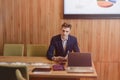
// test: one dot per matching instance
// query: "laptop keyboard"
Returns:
(80, 69)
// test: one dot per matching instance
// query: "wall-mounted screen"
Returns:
(92, 8)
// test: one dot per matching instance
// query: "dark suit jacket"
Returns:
(56, 47)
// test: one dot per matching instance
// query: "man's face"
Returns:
(65, 32)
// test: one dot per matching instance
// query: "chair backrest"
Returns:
(8, 72)
(19, 75)
(13, 50)
(36, 50)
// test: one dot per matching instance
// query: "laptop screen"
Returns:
(77, 59)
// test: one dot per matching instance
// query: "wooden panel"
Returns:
(36, 21)
(107, 71)
(1, 28)
(119, 71)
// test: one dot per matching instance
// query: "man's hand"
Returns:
(59, 59)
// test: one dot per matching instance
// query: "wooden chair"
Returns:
(19, 75)
(36, 50)
(13, 72)
(13, 50)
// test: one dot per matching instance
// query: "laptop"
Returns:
(79, 62)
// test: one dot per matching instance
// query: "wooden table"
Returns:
(53, 75)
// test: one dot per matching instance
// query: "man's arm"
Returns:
(76, 47)
(50, 52)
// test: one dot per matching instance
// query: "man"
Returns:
(62, 44)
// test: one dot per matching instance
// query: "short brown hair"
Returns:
(66, 25)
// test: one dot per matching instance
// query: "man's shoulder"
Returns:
(72, 37)
(56, 37)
